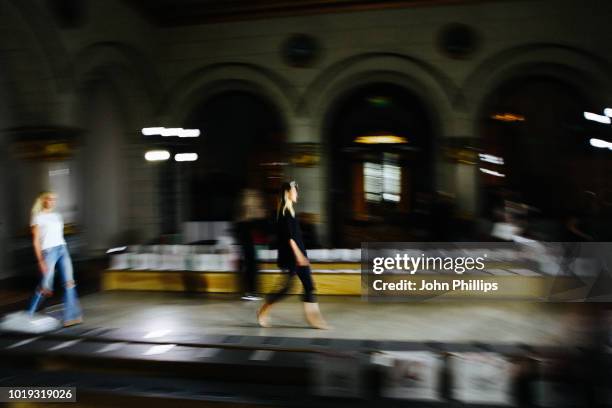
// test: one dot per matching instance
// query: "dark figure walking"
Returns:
(292, 258)
(248, 225)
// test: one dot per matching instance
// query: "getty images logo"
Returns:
(412, 264)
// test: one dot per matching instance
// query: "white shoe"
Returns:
(250, 297)
(24, 322)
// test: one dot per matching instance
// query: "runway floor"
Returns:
(155, 349)
(351, 317)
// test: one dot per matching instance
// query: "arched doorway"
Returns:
(536, 149)
(241, 146)
(380, 145)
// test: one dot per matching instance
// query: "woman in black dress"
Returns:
(292, 257)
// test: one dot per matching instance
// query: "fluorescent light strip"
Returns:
(185, 157)
(602, 144)
(491, 172)
(152, 131)
(170, 132)
(189, 133)
(489, 158)
(597, 118)
(157, 155)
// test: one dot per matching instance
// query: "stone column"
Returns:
(105, 179)
(311, 177)
(457, 164)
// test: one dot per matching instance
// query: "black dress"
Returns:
(288, 228)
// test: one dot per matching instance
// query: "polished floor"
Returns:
(351, 318)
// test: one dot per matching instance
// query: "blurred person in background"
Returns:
(249, 229)
(51, 251)
(292, 257)
(511, 217)
(583, 225)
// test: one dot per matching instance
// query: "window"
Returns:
(372, 178)
(382, 181)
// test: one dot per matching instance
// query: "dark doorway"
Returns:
(380, 141)
(241, 133)
(537, 139)
(535, 131)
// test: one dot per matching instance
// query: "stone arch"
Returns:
(127, 70)
(34, 43)
(213, 79)
(431, 84)
(435, 101)
(316, 105)
(577, 67)
(47, 42)
(585, 76)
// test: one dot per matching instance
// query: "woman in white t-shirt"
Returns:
(51, 252)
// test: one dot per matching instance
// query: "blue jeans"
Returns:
(59, 257)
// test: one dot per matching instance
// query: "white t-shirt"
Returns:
(51, 229)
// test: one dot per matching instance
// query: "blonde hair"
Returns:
(285, 204)
(38, 203)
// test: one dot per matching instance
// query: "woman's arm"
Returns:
(36, 243)
(300, 259)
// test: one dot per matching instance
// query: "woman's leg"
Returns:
(303, 272)
(284, 290)
(72, 308)
(262, 313)
(45, 288)
(311, 307)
